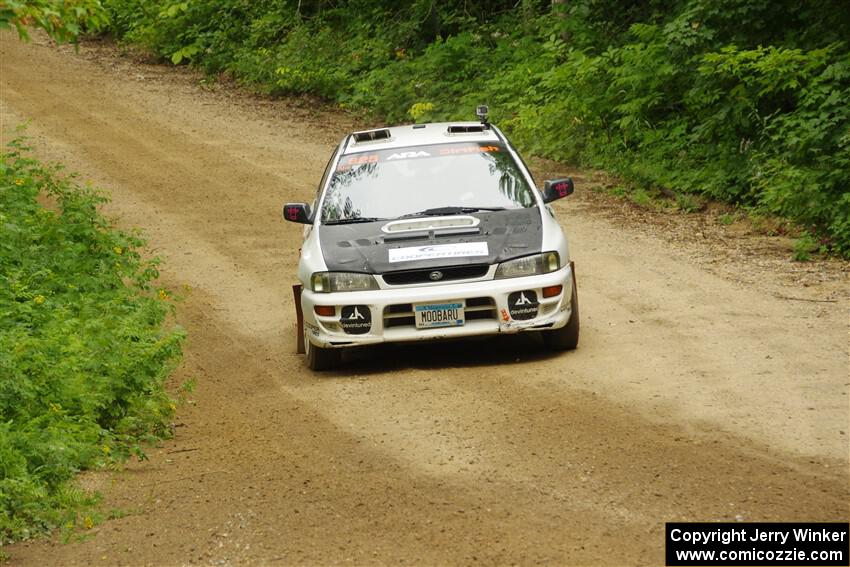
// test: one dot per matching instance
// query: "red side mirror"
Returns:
(554, 189)
(297, 212)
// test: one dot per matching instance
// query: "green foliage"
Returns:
(63, 20)
(420, 111)
(804, 247)
(83, 353)
(643, 197)
(737, 100)
(726, 219)
(688, 203)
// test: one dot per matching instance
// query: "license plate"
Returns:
(430, 315)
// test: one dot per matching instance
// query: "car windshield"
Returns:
(424, 180)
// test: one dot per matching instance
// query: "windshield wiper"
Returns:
(353, 220)
(451, 211)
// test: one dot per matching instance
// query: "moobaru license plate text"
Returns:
(439, 315)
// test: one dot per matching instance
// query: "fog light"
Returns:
(325, 310)
(552, 290)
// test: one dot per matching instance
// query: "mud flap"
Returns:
(299, 318)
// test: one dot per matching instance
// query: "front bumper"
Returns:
(487, 310)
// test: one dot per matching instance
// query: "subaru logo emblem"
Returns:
(436, 275)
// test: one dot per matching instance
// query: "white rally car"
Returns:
(431, 231)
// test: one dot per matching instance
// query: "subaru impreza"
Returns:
(428, 232)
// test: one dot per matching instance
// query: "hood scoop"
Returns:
(431, 234)
(428, 224)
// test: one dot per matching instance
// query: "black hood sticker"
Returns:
(500, 236)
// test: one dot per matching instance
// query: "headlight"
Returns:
(326, 282)
(529, 265)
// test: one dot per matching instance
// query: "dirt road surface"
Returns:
(700, 391)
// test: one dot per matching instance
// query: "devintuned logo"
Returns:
(522, 300)
(356, 319)
(523, 305)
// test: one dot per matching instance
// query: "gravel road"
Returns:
(699, 391)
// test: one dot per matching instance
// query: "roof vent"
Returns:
(372, 135)
(466, 129)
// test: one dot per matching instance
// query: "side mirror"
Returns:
(554, 189)
(297, 212)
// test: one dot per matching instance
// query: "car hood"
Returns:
(370, 248)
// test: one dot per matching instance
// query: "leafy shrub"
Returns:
(63, 21)
(804, 247)
(83, 353)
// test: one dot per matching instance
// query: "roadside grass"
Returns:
(86, 346)
(805, 246)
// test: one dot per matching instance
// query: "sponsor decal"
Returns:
(408, 155)
(292, 213)
(356, 319)
(459, 250)
(440, 150)
(523, 305)
(435, 276)
(313, 329)
(505, 316)
(467, 150)
(358, 160)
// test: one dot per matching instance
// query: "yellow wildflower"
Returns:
(106, 450)
(38, 299)
(118, 250)
(163, 294)
(420, 109)
(19, 182)
(88, 522)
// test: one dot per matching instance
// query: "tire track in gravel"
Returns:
(688, 398)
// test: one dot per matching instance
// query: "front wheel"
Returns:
(318, 358)
(565, 338)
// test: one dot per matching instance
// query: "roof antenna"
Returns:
(481, 112)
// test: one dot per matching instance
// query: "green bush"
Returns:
(738, 100)
(63, 21)
(83, 351)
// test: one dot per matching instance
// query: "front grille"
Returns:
(401, 315)
(405, 277)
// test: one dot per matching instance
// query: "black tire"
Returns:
(319, 359)
(565, 338)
